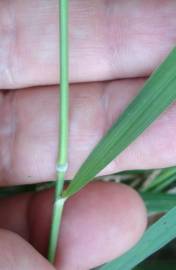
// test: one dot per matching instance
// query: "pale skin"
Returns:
(109, 40)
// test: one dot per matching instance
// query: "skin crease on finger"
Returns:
(28, 131)
(109, 39)
(99, 223)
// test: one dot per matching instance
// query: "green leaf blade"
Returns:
(157, 203)
(164, 179)
(157, 236)
(157, 94)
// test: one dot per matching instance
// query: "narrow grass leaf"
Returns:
(157, 203)
(157, 94)
(156, 237)
(163, 180)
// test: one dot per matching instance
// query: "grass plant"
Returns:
(157, 187)
(62, 163)
(158, 93)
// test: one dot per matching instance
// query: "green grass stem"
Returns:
(62, 162)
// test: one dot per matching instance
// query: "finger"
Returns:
(14, 214)
(99, 223)
(29, 135)
(108, 39)
(17, 254)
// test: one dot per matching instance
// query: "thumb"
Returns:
(17, 254)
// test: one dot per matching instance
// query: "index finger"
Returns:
(108, 39)
(29, 131)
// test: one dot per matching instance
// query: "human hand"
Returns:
(109, 41)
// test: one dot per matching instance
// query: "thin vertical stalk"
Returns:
(62, 162)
